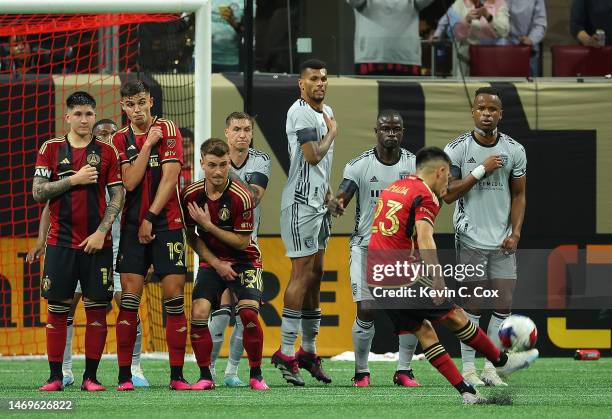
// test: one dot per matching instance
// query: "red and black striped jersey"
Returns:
(77, 213)
(137, 202)
(232, 211)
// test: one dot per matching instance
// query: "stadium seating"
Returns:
(578, 60)
(499, 60)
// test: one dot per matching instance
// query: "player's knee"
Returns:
(200, 309)
(365, 314)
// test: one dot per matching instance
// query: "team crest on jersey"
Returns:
(93, 159)
(504, 159)
(248, 177)
(224, 214)
(171, 143)
(404, 175)
(46, 283)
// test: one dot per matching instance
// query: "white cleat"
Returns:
(490, 378)
(469, 398)
(517, 361)
(68, 378)
(472, 378)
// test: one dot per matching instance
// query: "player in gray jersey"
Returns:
(305, 225)
(489, 177)
(366, 176)
(103, 129)
(252, 167)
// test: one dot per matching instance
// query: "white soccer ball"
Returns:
(518, 333)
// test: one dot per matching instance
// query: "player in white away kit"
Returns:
(488, 179)
(253, 168)
(103, 129)
(367, 175)
(305, 224)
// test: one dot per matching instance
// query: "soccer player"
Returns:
(305, 222)
(152, 228)
(252, 167)
(219, 218)
(403, 228)
(366, 176)
(72, 174)
(488, 179)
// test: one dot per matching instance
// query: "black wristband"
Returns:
(151, 217)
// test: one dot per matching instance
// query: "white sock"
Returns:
(236, 348)
(363, 334)
(468, 354)
(137, 344)
(492, 332)
(407, 346)
(311, 322)
(67, 364)
(290, 327)
(219, 320)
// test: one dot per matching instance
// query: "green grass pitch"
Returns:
(552, 387)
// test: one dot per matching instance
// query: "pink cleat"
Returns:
(405, 378)
(125, 386)
(258, 384)
(52, 385)
(203, 384)
(179, 385)
(92, 385)
(361, 380)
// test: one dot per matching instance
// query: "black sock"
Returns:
(91, 367)
(255, 372)
(205, 373)
(360, 375)
(463, 387)
(125, 374)
(176, 373)
(503, 358)
(56, 370)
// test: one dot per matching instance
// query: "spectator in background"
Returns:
(272, 36)
(387, 36)
(227, 30)
(474, 22)
(528, 27)
(587, 16)
(19, 58)
(188, 144)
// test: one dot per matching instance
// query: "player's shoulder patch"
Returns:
(460, 140)
(47, 143)
(407, 153)
(169, 125)
(193, 188)
(242, 193)
(108, 146)
(511, 141)
(365, 154)
(259, 154)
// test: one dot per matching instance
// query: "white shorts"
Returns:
(497, 263)
(357, 269)
(304, 230)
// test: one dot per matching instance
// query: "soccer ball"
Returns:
(518, 333)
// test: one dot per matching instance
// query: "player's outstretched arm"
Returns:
(314, 151)
(223, 268)
(43, 227)
(43, 190)
(132, 173)
(517, 212)
(345, 193)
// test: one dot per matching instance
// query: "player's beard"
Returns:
(390, 144)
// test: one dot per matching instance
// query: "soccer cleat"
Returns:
(258, 384)
(361, 379)
(473, 398)
(517, 361)
(490, 378)
(179, 385)
(288, 366)
(233, 381)
(203, 384)
(68, 379)
(138, 378)
(472, 378)
(313, 364)
(92, 385)
(125, 386)
(405, 378)
(52, 385)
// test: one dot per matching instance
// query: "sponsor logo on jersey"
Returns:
(404, 175)
(65, 161)
(153, 161)
(504, 159)
(170, 154)
(471, 160)
(374, 179)
(132, 147)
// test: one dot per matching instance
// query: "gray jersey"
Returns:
(306, 184)
(255, 170)
(482, 215)
(371, 177)
(115, 231)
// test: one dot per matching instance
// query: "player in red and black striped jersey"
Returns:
(219, 229)
(72, 174)
(151, 155)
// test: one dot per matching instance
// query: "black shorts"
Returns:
(64, 267)
(166, 253)
(247, 286)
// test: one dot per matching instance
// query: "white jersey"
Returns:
(371, 177)
(482, 215)
(306, 184)
(255, 170)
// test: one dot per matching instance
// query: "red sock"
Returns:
(439, 358)
(56, 336)
(201, 342)
(484, 345)
(126, 336)
(95, 332)
(176, 337)
(252, 335)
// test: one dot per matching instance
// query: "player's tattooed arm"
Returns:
(113, 208)
(257, 191)
(43, 190)
(345, 193)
